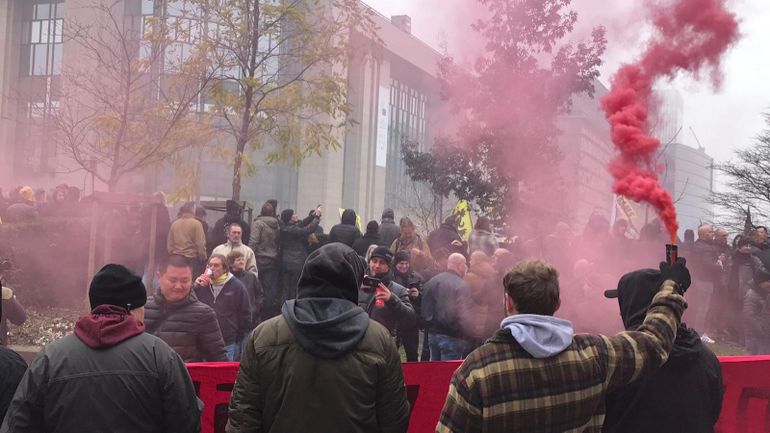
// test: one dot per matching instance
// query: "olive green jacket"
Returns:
(282, 387)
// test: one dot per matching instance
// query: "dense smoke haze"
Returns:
(664, 38)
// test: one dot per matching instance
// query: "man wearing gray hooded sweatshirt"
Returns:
(322, 365)
(535, 375)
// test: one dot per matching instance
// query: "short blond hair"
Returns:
(533, 286)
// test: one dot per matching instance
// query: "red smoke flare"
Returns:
(691, 35)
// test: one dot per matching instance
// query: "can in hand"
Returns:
(379, 303)
(672, 254)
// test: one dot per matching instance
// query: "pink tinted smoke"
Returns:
(691, 35)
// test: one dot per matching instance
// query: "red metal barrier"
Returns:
(745, 408)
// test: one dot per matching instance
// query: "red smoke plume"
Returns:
(691, 35)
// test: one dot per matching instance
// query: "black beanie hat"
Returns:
(116, 285)
(383, 253)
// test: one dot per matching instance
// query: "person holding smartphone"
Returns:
(384, 300)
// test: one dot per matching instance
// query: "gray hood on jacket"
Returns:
(540, 336)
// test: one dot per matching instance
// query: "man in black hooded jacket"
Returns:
(322, 365)
(685, 395)
(346, 231)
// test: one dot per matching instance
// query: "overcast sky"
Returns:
(723, 119)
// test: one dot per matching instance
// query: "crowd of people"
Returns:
(308, 312)
(326, 364)
(733, 278)
(23, 203)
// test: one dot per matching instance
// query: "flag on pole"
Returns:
(464, 221)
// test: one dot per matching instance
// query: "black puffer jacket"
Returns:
(346, 232)
(189, 326)
(233, 308)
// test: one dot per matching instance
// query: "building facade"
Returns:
(689, 177)
(586, 150)
(391, 88)
(687, 172)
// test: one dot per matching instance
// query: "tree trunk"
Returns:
(240, 146)
(248, 106)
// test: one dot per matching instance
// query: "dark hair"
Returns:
(482, 223)
(689, 235)
(200, 211)
(267, 210)
(388, 213)
(231, 225)
(741, 241)
(533, 286)
(274, 203)
(175, 261)
(286, 215)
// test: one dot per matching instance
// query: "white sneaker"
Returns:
(706, 339)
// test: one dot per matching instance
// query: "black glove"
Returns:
(677, 273)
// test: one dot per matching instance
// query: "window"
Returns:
(407, 121)
(148, 7)
(43, 36)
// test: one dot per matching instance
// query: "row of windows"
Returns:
(42, 37)
(407, 121)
